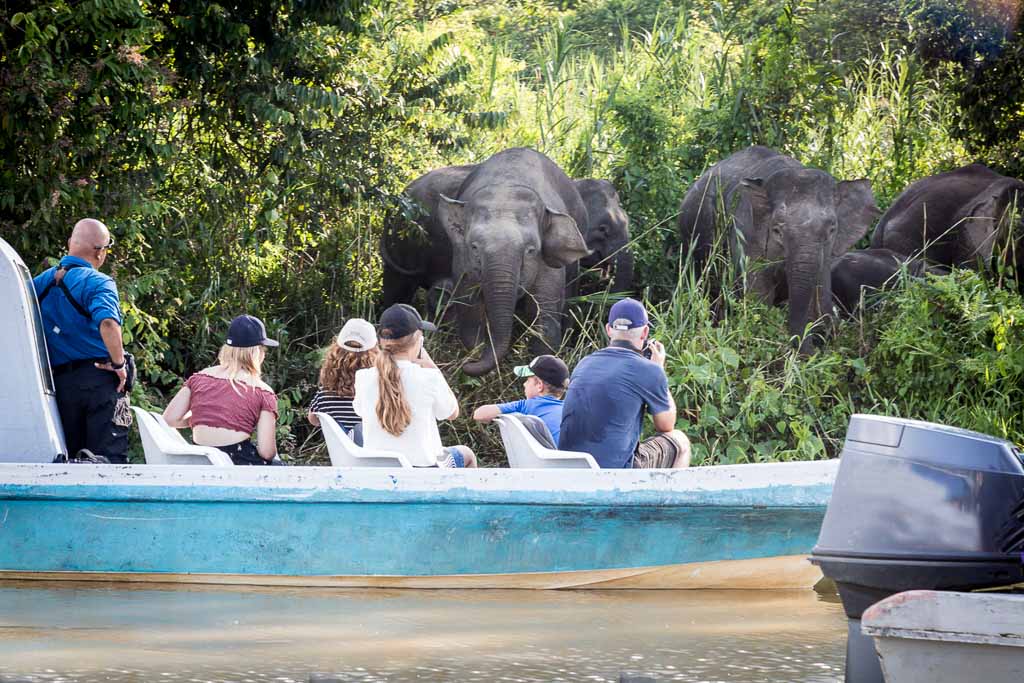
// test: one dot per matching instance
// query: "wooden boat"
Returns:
(739, 526)
(947, 637)
(747, 526)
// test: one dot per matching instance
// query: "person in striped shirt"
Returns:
(354, 349)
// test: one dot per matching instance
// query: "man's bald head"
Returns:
(88, 241)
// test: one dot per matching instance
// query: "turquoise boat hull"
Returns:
(748, 526)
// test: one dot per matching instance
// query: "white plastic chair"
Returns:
(174, 433)
(345, 453)
(163, 445)
(524, 451)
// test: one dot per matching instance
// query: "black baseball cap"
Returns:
(548, 368)
(248, 331)
(401, 320)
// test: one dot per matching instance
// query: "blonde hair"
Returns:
(338, 373)
(241, 360)
(393, 410)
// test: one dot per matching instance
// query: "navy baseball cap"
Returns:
(627, 314)
(401, 320)
(247, 331)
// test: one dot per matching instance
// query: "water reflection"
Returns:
(113, 633)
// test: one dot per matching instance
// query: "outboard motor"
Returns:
(918, 505)
(30, 429)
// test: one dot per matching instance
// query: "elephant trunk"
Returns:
(623, 270)
(500, 289)
(809, 281)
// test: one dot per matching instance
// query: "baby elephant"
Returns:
(871, 269)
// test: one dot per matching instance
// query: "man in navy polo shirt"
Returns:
(609, 393)
(82, 320)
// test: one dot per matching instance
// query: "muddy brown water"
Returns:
(89, 633)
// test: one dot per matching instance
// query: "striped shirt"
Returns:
(338, 407)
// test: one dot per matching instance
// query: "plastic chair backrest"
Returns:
(538, 430)
(163, 446)
(345, 453)
(149, 434)
(181, 452)
(523, 451)
(168, 429)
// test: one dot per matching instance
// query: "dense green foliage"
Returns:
(247, 157)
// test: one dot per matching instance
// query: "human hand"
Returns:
(657, 352)
(423, 359)
(121, 372)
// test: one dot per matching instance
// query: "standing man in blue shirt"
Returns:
(82, 320)
(610, 391)
(546, 380)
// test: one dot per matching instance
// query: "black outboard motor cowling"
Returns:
(918, 505)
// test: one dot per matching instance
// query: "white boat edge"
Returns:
(947, 637)
(803, 483)
(949, 616)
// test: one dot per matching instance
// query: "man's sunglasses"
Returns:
(106, 246)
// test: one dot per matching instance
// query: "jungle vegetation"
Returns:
(247, 155)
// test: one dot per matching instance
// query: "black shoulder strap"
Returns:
(58, 280)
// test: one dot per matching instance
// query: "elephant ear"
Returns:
(451, 213)
(758, 235)
(561, 242)
(986, 221)
(856, 212)
(757, 194)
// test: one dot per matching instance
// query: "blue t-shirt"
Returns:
(70, 335)
(547, 408)
(605, 404)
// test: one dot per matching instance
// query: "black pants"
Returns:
(245, 453)
(86, 399)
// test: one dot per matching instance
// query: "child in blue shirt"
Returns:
(547, 378)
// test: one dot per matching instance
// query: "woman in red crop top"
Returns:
(226, 403)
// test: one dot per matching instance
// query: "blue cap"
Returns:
(247, 331)
(627, 314)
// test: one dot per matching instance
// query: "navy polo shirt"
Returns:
(71, 336)
(610, 391)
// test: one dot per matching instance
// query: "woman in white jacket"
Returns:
(403, 396)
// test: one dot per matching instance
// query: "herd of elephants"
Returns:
(506, 237)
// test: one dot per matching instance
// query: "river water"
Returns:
(90, 633)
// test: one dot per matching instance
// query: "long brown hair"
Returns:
(338, 373)
(393, 410)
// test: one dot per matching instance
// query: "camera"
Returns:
(646, 351)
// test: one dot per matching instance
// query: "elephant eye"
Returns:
(531, 250)
(475, 246)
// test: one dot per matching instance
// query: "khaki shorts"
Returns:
(660, 451)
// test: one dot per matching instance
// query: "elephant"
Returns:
(423, 261)
(957, 218)
(788, 220)
(495, 233)
(607, 232)
(872, 269)
(423, 258)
